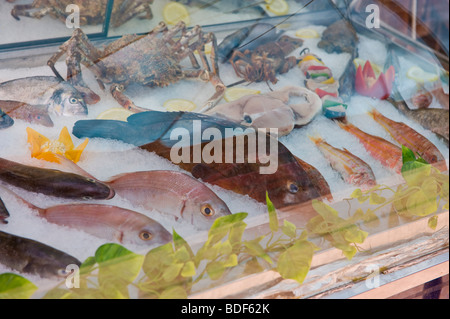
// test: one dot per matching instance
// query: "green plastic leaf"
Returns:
(188, 270)
(421, 205)
(432, 222)
(326, 211)
(115, 261)
(176, 292)
(235, 235)
(273, 218)
(289, 229)
(215, 269)
(172, 271)
(376, 199)
(87, 266)
(231, 261)
(13, 286)
(253, 266)
(415, 172)
(179, 242)
(222, 226)
(256, 250)
(407, 155)
(157, 259)
(295, 262)
(356, 193)
(182, 255)
(354, 235)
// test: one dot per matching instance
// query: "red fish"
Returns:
(408, 137)
(388, 154)
(352, 169)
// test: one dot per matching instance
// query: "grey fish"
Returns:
(60, 97)
(36, 114)
(33, 257)
(52, 182)
(3, 212)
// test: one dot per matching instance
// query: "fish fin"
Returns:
(73, 167)
(109, 129)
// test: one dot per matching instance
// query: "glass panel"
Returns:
(40, 22)
(143, 120)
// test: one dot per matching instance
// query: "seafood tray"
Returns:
(87, 174)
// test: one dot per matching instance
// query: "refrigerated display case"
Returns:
(95, 163)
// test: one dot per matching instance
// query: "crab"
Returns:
(91, 12)
(266, 60)
(152, 59)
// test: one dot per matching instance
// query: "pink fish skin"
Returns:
(405, 135)
(352, 169)
(173, 193)
(105, 221)
(388, 154)
(109, 222)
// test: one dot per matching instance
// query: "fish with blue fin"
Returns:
(245, 168)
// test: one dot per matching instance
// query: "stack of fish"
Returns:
(320, 80)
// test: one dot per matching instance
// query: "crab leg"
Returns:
(21, 10)
(129, 11)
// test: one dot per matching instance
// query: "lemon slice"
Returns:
(278, 7)
(417, 74)
(116, 113)
(179, 105)
(307, 34)
(361, 62)
(235, 93)
(174, 12)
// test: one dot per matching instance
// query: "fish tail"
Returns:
(109, 129)
(30, 205)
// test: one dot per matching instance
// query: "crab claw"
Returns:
(368, 84)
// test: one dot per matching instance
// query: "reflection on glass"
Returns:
(28, 20)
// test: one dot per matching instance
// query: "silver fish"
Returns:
(32, 257)
(106, 221)
(173, 193)
(60, 97)
(184, 197)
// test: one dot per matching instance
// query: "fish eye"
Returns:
(73, 100)
(248, 119)
(145, 235)
(207, 210)
(62, 272)
(292, 187)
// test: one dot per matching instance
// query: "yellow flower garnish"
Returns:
(45, 149)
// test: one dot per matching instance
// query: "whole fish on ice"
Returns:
(184, 197)
(352, 169)
(408, 137)
(52, 182)
(151, 131)
(105, 221)
(271, 110)
(388, 154)
(35, 114)
(435, 120)
(32, 257)
(60, 97)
